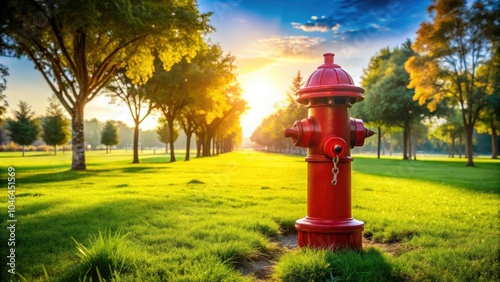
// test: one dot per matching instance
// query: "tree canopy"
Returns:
(55, 126)
(24, 129)
(109, 135)
(388, 101)
(201, 94)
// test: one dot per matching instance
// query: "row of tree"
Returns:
(54, 129)
(269, 134)
(446, 81)
(149, 54)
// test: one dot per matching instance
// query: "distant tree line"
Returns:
(442, 88)
(53, 129)
(149, 55)
(269, 134)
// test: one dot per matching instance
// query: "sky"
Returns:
(272, 41)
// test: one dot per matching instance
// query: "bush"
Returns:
(16, 148)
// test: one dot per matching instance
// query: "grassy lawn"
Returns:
(426, 220)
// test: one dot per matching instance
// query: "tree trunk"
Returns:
(390, 144)
(215, 145)
(136, 144)
(460, 146)
(452, 149)
(166, 148)
(384, 144)
(469, 129)
(23, 149)
(414, 147)
(406, 131)
(170, 123)
(207, 142)
(55, 150)
(494, 144)
(409, 142)
(188, 145)
(78, 139)
(379, 140)
(198, 144)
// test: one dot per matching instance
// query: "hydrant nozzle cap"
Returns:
(329, 61)
(329, 58)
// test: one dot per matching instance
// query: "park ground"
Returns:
(231, 217)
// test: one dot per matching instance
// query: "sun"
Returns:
(261, 93)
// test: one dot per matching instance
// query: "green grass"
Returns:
(430, 220)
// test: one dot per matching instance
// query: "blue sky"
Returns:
(271, 40)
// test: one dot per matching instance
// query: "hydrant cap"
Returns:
(330, 80)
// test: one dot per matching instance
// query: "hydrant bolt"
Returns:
(337, 149)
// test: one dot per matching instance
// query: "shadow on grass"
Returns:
(59, 176)
(484, 177)
(141, 169)
(45, 237)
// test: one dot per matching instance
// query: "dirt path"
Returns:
(263, 267)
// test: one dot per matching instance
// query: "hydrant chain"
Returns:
(335, 170)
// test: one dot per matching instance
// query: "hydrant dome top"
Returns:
(330, 80)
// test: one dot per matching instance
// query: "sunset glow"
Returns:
(262, 94)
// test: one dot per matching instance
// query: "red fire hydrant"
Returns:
(328, 134)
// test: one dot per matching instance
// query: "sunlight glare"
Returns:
(262, 94)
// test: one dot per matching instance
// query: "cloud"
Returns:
(290, 46)
(350, 20)
(322, 24)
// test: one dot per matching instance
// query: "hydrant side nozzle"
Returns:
(302, 132)
(369, 133)
(290, 133)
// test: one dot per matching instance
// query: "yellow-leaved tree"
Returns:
(450, 49)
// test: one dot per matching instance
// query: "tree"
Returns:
(388, 101)
(163, 133)
(450, 49)
(79, 45)
(3, 86)
(167, 90)
(92, 133)
(55, 126)
(134, 96)
(205, 86)
(109, 135)
(24, 129)
(205, 75)
(489, 122)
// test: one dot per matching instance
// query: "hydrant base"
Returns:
(330, 234)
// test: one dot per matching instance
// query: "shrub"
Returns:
(105, 257)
